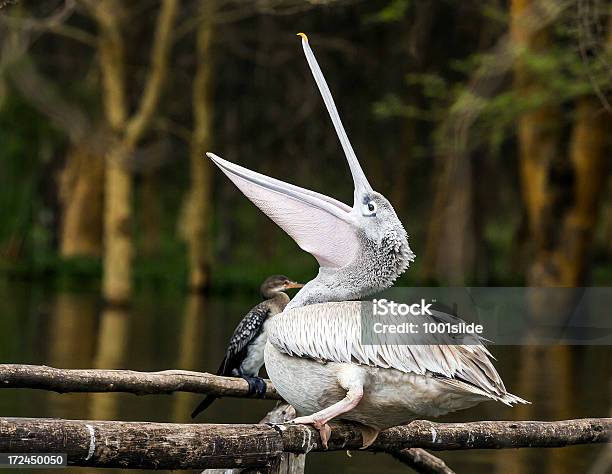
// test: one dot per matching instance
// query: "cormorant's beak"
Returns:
(320, 225)
(293, 284)
(360, 181)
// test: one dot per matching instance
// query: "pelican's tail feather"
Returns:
(511, 400)
(506, 398)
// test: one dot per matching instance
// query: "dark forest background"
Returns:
(486, 124)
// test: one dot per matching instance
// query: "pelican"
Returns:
(314, 354)
(244, 356)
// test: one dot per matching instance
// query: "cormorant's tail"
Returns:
(204, 404)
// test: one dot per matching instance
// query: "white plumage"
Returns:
(332, 332)
(315, 354)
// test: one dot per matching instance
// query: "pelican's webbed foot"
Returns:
(257, 386)
(368, 435)
(320, 425)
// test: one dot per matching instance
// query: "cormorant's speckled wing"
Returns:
(248, 329)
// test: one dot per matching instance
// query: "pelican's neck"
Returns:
(376, 267)
(329, 285)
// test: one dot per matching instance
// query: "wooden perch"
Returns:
(453, 436)
(140, 383)
(201, 446)
(174, 446)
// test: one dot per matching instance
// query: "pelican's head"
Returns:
(374, 214)
(360, 249)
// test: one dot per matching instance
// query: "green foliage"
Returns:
(449, 102)
(396, 58)
(28, 141)
(394, 11)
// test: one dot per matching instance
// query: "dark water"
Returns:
(173, 331)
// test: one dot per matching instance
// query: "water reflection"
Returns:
(163, 331)
(71, 344)
(603, 462)
(192, 333)
(111, 351)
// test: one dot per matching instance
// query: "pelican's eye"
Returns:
(369, 209)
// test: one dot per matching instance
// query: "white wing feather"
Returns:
(332, 332)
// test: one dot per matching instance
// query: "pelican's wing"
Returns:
(332, 332)
(319, 224)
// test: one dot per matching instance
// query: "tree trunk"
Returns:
(80, 182)
(81, 195)
(607, 218)
(117, 282)
(538, 143)
(561, 188)
(196, 215)
(588, 154)
(450, 254)
(128, 131)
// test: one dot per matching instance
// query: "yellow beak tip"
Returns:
(303, 35)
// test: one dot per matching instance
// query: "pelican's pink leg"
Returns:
(320, 419)
(351, 380)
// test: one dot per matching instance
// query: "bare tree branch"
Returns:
(240, 10)
(55, 23)
(422, 461)
(108, 14)
(594, 49)
(130, 381)
(43, 95)
(160, 53)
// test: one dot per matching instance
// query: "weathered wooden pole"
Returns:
(131, 445)
(136, 445)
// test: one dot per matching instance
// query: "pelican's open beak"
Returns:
(293, 284)
(320, 225)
